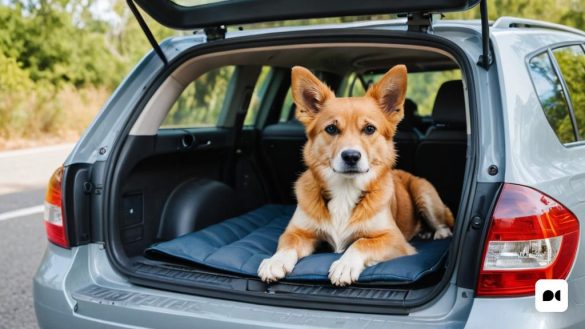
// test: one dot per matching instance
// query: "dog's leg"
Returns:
(368, 251)
(434, 212)
(294, 244)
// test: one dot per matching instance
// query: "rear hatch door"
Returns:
(194, 14)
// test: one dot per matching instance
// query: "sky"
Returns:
(102, 9)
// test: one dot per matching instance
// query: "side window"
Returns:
(571, 62)
(357, 85)
(257, 96)
(201, 103)
(550, 92)
(422, 86)
(287, 107)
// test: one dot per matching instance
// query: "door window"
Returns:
(422, 86)
(259, 93)
(202, 102)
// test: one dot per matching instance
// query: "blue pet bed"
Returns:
(238, 245)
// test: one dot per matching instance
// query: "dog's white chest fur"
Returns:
(344, 197)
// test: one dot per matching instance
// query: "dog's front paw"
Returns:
(276, 267)
(346, 270)
(442, 233)
(426, 235)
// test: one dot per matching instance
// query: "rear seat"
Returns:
(407, 138)
(282, 145)
(440, 156)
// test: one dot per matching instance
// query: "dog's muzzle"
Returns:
(350, 161)
(351, 157)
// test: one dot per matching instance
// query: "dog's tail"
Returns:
(448, 216)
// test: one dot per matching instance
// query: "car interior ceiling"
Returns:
(162, 175)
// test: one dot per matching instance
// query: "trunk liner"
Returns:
(238, 245)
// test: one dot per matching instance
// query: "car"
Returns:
(203, 130)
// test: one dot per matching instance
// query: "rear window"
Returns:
(571, 61)
(551, 96)
(559, 79)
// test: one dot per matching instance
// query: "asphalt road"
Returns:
(23, 177)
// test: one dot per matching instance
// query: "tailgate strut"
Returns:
(485, 60)
(147, 32)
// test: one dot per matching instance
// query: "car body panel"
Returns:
(80, 287)
(520, 313)
(534, 155)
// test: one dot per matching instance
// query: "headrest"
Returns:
(449, 108)
(410, 110)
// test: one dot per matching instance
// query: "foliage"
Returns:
(566, 12)
(422, 87)
(13, 77)
(59, 61)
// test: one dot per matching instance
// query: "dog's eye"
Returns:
(369, 129)
(332, 130)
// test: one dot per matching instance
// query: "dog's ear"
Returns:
(309, 94)
(390, 93)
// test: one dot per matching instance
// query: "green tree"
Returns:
(567, 12)
(59, 61)
(571, 61)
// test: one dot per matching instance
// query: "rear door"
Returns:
(191, 14)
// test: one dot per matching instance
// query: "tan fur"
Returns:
(301, 240)
(312, 195)
(370, 215)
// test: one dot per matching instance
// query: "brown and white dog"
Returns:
(350, 196)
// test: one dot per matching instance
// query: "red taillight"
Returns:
(531, 237)
(54, 214)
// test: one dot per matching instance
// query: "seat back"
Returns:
(282, 150)
(407, 137)
(441, 154)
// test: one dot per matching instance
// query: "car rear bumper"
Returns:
(520, 313)
(79, 288)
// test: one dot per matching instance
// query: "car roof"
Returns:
(399, 24)
(450, 29)
(472, 26)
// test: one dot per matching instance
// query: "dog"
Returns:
(351, 196)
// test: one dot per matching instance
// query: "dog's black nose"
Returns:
(351, 157)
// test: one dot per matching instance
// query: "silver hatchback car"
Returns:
(203, 130)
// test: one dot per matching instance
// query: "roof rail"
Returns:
(507, 22)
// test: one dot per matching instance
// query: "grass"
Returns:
(45, 115)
